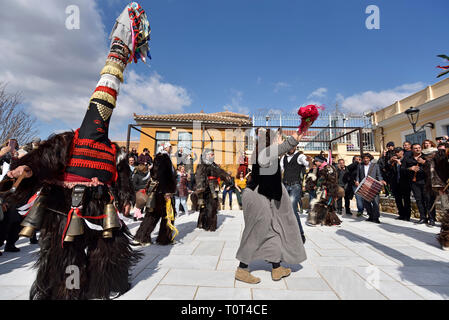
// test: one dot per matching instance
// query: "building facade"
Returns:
(392, 124)
(226, 133)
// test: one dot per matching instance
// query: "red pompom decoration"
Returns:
(308, 116)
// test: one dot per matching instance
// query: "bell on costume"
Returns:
(111, 221)
(76, 228)
(33, 219)
(151, 202)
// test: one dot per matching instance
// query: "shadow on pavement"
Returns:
(432, 274)
(154, 253)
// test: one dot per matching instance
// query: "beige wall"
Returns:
(392, 124)
(226, 152)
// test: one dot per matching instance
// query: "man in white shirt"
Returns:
(293, 167)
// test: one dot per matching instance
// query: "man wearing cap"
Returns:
(368, 168)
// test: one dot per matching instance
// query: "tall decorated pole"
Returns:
(93, 155)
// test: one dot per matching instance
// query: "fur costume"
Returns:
(84, 183)
(163, 178)
(440, 181)
(104, 268)
(323, 211)
(206, 176)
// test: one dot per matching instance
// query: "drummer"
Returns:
(368, 168)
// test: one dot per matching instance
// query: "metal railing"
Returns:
(328, 129)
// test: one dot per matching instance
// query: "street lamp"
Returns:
(413, 115)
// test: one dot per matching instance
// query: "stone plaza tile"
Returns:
(410, 261)
(14, 275)
(173, 292)
(185, 247)
(368, 273)
(394, 290)
(227, 265)
(144, 284)
(265, 281)
(327, 244)
(432, 292)
(14, 292)
(206, 248)
(420, 275)
(266, 294)
(348, 285)
(209, 293)
(142, 264)
(185, 262)
(303, 271)
(204, 278)
(305, 284)
(339, 261)
(228, 253)
(373, 256)
(335, 253)
(232, 244)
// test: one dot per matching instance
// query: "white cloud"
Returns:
(149, 94)
(280, 85)
(318, 93)
(57, 69)
(372, 100)
(236, 103)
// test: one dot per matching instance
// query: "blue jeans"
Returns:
(230, 196)
(294, 191)
(359, 200)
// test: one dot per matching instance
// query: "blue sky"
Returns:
(216, 48)
(249, 56)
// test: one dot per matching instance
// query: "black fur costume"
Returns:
(105, 267)
(206, 183)
(441, 166)
(323, 211)
(164, 173)
(84, 181)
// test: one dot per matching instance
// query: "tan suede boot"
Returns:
(245, 276)
(278, 273)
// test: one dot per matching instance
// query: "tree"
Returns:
(15, 122)
(446, 68)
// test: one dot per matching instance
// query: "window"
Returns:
(418, 137)
(185, 142)
(161, 138)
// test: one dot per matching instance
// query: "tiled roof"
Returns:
(225, 117)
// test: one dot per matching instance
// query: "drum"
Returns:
(369, 188)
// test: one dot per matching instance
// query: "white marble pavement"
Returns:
(358, 260)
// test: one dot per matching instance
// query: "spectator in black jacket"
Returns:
(417, 179)
(350, 179)
(385, 167)
(342, 172)
(407, 146)
(400, 184)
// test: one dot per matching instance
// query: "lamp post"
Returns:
(413, 115)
